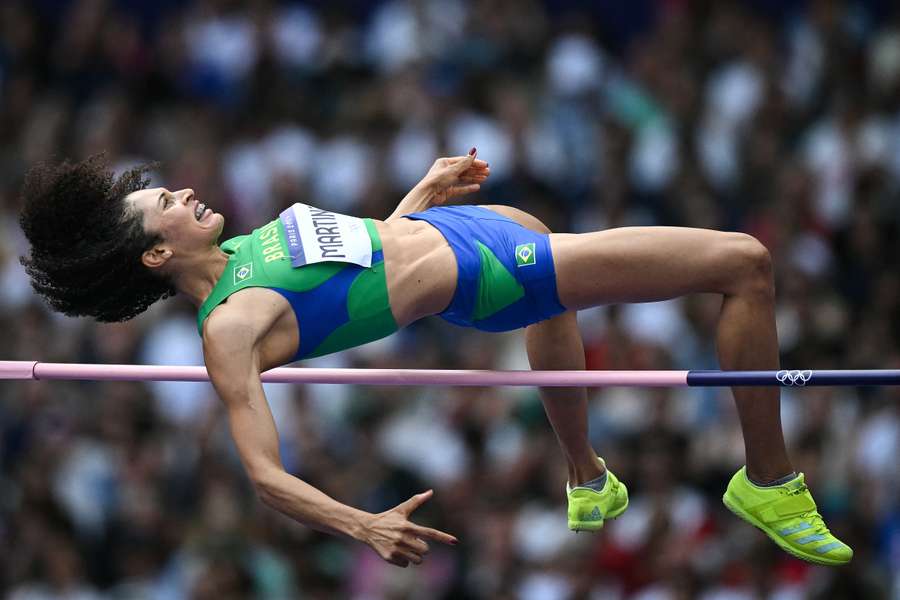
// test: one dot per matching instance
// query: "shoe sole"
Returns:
(741, 513)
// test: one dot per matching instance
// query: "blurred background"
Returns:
(780, 119)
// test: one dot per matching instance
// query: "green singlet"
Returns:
(337, 305)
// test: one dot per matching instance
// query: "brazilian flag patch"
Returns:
(525, 255)
(243, 272)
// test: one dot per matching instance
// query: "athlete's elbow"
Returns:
(267, 483)
(267, 497)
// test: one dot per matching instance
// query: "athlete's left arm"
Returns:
(447, 178)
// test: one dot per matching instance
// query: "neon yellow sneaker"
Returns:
(786, 513)
(588, 508)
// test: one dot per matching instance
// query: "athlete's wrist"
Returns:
(426, 193)
(419, 198)
(357, 525)
(430, 186)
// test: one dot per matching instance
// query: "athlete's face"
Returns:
(185, 226)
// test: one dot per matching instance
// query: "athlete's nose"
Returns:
(186, 195)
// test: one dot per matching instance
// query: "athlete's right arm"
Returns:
(447, 178)
(229, 347)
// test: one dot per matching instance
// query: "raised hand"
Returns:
(398, 540)
(456, 176)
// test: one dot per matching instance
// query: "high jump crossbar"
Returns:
(34, 370)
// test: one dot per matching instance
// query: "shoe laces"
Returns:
(798, 491)
(811, 516)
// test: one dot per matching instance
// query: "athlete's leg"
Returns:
(555, 344)
(644, 264)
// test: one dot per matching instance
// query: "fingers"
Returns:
(409, 545)
(465, 164)
(461, 164)
(468, 169)
(462, 190)
(399, 560)
(434, 534)
(410, 551)
(408, 556)
(475, 172)
(416, 545)
(413, 503)
(473, 178)
(476, 164)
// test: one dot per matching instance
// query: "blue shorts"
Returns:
(506, 278)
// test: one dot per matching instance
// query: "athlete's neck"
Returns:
(199, 274)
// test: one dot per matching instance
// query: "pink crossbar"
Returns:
(38, 370)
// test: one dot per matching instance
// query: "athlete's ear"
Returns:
(156, 256)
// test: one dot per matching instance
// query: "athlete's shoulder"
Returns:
(232, 244)
(230, 328)
(251, 310)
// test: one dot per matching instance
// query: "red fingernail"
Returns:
(472, 151)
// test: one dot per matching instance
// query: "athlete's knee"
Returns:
(753, 265)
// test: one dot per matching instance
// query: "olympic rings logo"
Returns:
(793, 378)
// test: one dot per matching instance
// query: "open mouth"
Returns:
(201, 213)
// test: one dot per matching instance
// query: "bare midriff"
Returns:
(420, 268)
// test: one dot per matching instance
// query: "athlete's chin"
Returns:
(212, 230)
(214, 221)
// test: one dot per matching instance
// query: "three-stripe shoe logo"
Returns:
(806, 539)
(803, 526)
(829, 547)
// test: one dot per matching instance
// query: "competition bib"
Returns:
(315, 235)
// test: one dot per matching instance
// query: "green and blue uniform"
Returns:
(506, 280)
(337, 305)
(505, 273)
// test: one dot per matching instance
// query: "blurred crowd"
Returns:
(780, 119)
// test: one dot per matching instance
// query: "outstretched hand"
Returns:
(398, 540)
(456, 176)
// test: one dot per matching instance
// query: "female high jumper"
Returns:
(312, 282)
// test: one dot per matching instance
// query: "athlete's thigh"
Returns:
(643, 264)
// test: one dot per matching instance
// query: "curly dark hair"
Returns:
(86, 242)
